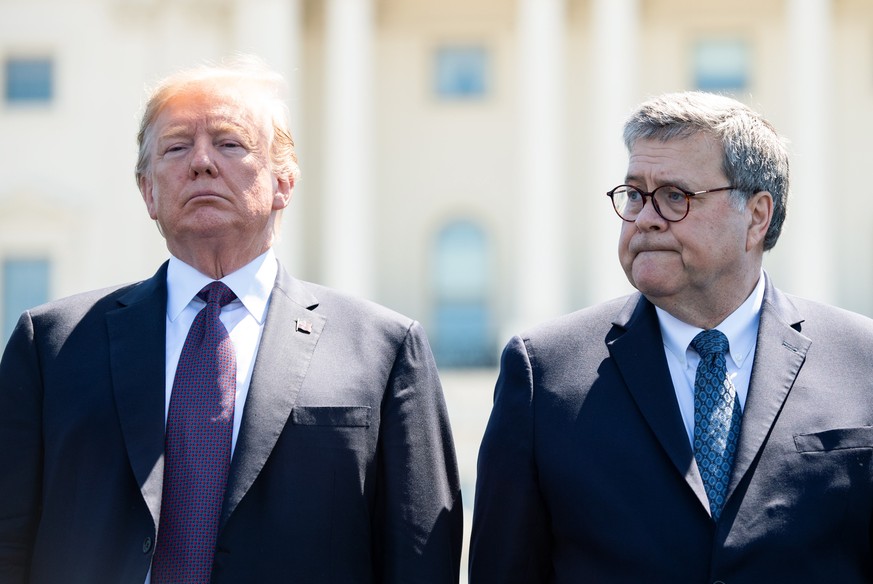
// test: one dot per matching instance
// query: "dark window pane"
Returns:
(462, 332)
(461, 72)
(25, 285)
(29, 80)
(721, 65)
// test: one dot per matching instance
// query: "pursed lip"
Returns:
(644, 247)
(653, 250)
(204, 195)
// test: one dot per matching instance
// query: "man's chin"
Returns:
(653, 269)
(653, 285)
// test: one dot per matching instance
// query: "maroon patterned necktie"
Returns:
(197, 451)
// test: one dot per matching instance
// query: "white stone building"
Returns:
(455, 153)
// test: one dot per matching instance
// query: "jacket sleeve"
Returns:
(21, 451)
(418, 523)
(511, 537)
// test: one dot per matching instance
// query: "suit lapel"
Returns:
(638, 350)
(291, 332)
(137, 340)
(779, 355)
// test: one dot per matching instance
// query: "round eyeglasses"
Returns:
(669, 201)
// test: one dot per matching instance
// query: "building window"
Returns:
(461, 72)
(29, 80)
(462, 331)
(25, 285)
(721, 65)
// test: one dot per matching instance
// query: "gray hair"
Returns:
(242, 70)
(755, 156)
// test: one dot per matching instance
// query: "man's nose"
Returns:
(649, 219)
(203, 161)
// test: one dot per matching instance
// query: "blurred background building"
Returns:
(455, 154)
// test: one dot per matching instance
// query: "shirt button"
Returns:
(146, 545)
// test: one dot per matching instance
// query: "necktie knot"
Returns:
(711, 342)
(217, 292)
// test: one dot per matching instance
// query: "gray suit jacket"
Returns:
(586, 473)
(344, 469)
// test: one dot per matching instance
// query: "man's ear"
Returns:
(282, 188)
(760, 209)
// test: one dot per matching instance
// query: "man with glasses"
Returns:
(708, 428)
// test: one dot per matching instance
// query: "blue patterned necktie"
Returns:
(197, 450)
(716, 418)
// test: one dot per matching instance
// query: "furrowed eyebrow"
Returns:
(175, 131)
(672, 182)
(214, 128)
(247, 137)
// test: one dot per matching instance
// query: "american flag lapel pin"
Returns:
(303, 326)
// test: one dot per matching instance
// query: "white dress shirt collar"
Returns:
(740, 327)
(252, 285)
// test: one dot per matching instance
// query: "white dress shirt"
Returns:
(243, 318)
(741, 330)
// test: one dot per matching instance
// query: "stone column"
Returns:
(809, 227)
(347, 229)
(540, 285)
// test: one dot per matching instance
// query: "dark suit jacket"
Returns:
(344, 469)
(586, 473)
